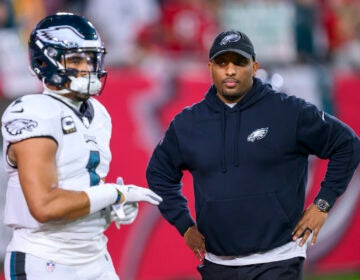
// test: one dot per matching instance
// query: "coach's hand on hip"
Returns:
(196, 242)
(311, 222)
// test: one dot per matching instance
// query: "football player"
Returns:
(56, 146)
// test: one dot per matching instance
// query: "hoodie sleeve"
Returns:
(164, 173)
(327, 137)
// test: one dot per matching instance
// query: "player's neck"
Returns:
(70, 101)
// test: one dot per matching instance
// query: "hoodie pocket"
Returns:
(244, 225)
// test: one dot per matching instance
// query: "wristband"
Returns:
(118, 199)
(101, 196)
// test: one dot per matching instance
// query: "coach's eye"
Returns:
(241, 61)
(220, 61)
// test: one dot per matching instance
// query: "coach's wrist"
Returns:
(188, 230)
(322, 205)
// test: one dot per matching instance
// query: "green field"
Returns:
(355, 276)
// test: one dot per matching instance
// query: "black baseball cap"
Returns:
(232, 41)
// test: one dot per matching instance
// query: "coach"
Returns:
(247, 147)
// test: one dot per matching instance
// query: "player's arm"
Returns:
(35, 159)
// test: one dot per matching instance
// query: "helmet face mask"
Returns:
(59, 37)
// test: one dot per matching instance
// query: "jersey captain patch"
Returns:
(68, 125)
(15, 127)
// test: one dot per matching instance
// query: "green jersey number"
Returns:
(91, 166)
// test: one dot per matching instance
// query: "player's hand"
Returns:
(195, 241)
(124, 214)
(133, 193)
(311, 222)
(126, 211)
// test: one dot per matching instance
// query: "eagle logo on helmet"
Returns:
(64, 35)
(258, 134)
(16, 127)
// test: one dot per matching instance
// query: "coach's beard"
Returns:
(232, 98)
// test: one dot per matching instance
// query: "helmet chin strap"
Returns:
(60, 91)
(88, 85)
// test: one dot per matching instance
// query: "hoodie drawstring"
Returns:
(236, 140)
(223, 131)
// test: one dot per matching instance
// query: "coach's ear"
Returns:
(255, 67)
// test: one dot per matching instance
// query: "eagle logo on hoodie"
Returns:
(258, 134)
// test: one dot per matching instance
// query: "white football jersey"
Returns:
(83, 157)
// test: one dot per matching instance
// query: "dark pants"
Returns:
(282, 270)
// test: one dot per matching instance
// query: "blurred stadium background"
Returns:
(157, 56)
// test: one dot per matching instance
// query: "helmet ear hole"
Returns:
(41, 63)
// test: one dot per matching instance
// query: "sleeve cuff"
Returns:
(327, 195)
(183, 224)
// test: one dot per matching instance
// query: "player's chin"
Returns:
(81, 96)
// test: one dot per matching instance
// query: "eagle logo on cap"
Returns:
(233, 37)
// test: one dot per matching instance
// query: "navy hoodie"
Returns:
(249, 166)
